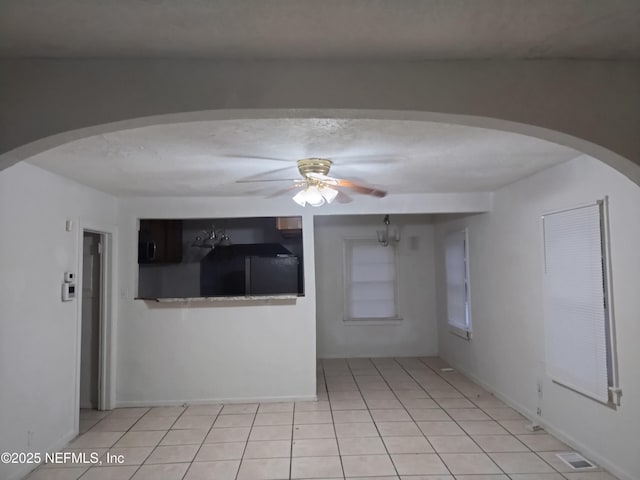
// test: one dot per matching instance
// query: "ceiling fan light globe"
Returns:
(300, 198)
(313, 196)
(329, 194)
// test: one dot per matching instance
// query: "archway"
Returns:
(623, 165)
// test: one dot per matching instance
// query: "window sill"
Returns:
(460, 332)
(361, 322)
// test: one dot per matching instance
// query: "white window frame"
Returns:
(614, 391)
(348, 246)
(457, 328)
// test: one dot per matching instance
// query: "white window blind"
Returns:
(578, 353)
(457, 283)
(371, 280)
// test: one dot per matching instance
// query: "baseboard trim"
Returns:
(209, 401)
(55, 447)
(552, 429)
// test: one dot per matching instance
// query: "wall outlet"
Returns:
(539, 387)
(539, 411)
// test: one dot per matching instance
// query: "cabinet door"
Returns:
(173, 241)
(160, 241)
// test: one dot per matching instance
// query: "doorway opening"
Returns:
(91, 313)
(93, 356)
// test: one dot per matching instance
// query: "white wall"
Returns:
(417, 333)
(506, 353)
(205, 352)
(38, 332)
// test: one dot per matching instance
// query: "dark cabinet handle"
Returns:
(151, 250)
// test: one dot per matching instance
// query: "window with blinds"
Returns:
(370, 280)
(457, 283)
(578, 330)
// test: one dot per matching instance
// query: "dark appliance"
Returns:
(249, 269)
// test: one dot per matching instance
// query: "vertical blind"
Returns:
(574, 301)
(372, 280)
(456, 278)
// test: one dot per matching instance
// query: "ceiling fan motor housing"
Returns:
(313, 165)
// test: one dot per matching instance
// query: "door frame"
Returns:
(106, 368)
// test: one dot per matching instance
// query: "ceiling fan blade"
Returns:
(284, 190)
(261, 176)
(255, 157)
(357, 187)
(365, 159)
(268, 180)
(323, 178)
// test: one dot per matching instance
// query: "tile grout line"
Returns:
(96, 423)
(159, 442)
(335, 433)
(203, 440)
(447, 412)
(293, 420)
(478, 406)
(120, 438)
(246, 444)
(453, 419)
(509, 433)
(369, 410)
(416, 423)
(153, 449)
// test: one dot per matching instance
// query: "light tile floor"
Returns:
(379, 419)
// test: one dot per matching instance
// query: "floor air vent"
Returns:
(575, 461)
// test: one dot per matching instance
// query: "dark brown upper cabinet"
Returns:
(160, 241)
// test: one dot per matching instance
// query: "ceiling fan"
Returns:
(317, 187)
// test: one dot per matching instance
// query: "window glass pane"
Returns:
(371, 254)
(456, 280)
(373, 291)
(371, 285)
(381, 272)
(372, 309)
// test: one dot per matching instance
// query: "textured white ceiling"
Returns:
(381, 29)
(207, 158)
